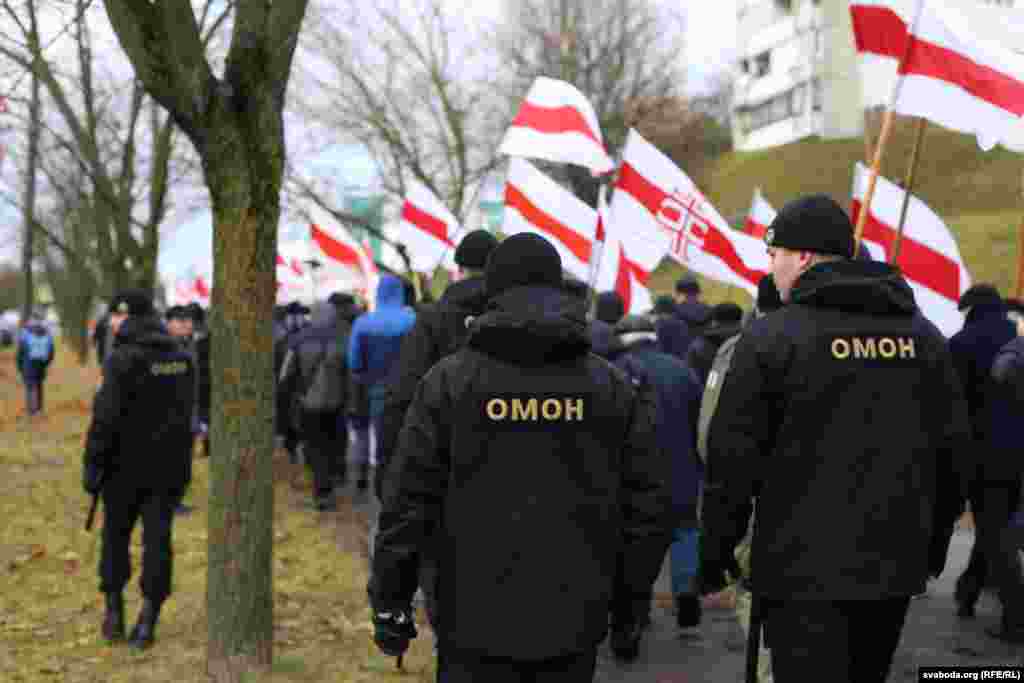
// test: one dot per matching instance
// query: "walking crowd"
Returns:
(538, 453)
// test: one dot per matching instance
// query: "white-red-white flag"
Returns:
(929, 257)
(760, 217)
(202, 290)
(556, 122)
(536, 203)
(961, 64)
(428, 229)
(346, 262)
(654, 196)
(617, 272)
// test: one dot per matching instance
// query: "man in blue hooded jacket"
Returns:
(374, 346)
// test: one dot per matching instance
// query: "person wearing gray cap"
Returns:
(842, 415)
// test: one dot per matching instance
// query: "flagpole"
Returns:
(883, 136)
(908, 188)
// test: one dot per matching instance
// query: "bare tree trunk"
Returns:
(28, 246)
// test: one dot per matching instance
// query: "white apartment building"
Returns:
(797, 72)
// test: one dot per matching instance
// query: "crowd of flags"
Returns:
(653, 210)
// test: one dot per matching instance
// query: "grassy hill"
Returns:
(977, 193)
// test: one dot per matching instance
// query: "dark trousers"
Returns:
(844, 641)
(34, 397)
(122, 507)
(991, 525)
(455, 667)
(326, 445)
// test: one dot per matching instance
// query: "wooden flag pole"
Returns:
(876, 164)
(908, 188)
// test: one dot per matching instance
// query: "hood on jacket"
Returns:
(390, 292)
(979, 312)
(37, 328)
(145, 331)
(855, 286)
(531, 326)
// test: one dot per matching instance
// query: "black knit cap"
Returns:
(521, 260)
(688, 284)
(768, 297)
(815, 223)
(609, 307)
(135, 302)
(983, 293)
(726, 313)
(474, 249)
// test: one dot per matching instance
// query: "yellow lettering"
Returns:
(172, 368)
(524, 411)
(907, 348)
(864, 348)
(574, 409)
(887, 347)
(497, 409)
(840, 349)
(551, 409)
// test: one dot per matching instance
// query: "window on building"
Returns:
(817, 95)
(763, 63)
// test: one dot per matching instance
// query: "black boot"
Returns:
(625, 640)
(145, 629)
(113, 620)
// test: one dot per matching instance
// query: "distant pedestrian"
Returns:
(34, 355)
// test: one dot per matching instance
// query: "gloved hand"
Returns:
(393, 630)
(92, 478)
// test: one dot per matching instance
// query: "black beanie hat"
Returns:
(609, 307)
(177, 313)
(815, 223)
(521, 260)
(474, 249)
(136, 302)
(768, 297)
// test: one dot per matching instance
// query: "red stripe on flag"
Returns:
(425, 222)
(918, 261)
(755, 229)
(334, 249)
(553, 120)
(715, 243)
(881, 31)
(573, 241)
(280, 261)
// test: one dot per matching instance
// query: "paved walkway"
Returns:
(714, 652)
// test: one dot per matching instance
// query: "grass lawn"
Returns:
(50, 607)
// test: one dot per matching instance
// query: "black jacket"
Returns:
(440, 330)
(701, 354)
(530, 515)
(1008, 370)
(994, 420)
(141, 429)
(309, 347)
(842, 413)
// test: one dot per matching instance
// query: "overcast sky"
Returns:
(710, 43)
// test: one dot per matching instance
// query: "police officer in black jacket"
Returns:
(137, 453)
(532, 463)
(843, 415)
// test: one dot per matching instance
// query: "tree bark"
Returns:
(28, 245)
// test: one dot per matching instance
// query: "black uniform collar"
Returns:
(982, 311)
(532, 326)
(855, 286)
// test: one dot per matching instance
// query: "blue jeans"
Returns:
(683, 554)
(33, 396)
